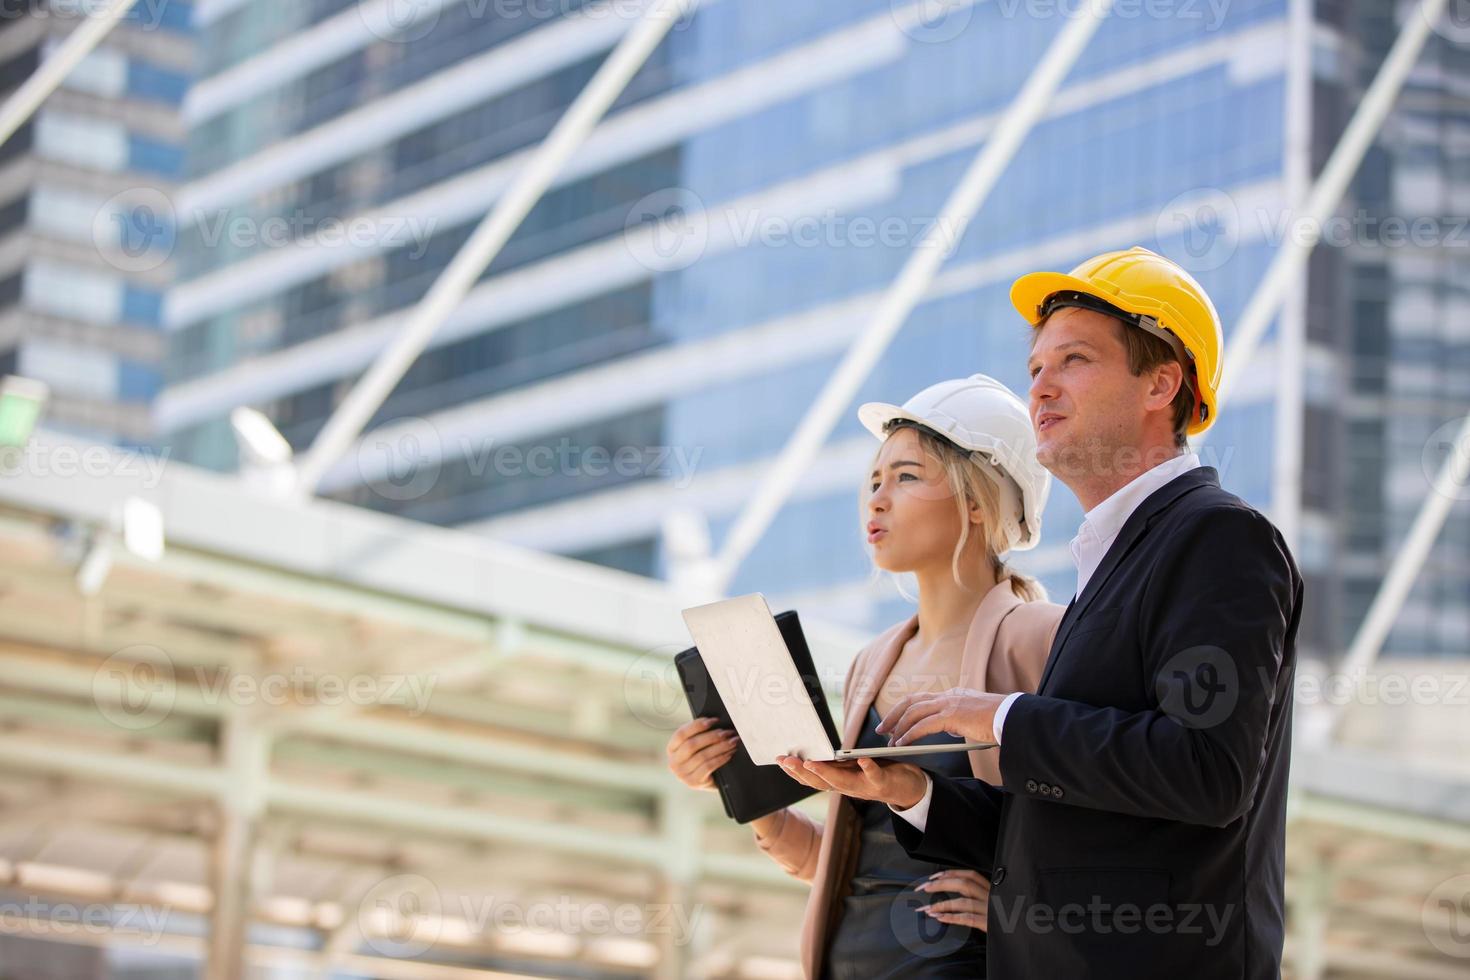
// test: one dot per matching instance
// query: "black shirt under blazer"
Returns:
(1141, 830)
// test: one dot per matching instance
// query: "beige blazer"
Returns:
(1005, 651)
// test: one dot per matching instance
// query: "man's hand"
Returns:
(899, 784)
(967, 714)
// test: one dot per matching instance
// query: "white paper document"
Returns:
(747, 660)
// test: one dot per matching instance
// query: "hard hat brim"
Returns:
(1032, 289)
(875, 415)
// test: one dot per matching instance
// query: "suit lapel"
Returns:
(867, 685)
(980, 640)
(1129, 536)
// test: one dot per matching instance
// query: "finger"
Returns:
(974, 887)
(896, 712)
(966, 906)
(822, 775)
(710, 761)
(691, 728)
(875, 774)
(844, 779)
(687, 749)
(923, 728)
(921, 707)
(723, 747)
(793, 769)
(925, 712)
(972, 921)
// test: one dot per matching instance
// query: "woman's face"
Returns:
(913, 523)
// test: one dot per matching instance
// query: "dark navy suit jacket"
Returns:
(1140, 831)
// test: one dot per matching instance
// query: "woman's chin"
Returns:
(888, 564)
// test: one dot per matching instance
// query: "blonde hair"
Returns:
(972, 480)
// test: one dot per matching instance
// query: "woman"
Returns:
(954, 487)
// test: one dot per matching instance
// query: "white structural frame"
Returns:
(487, 240)
(23, 103)
(918, 272)
(1287, 268)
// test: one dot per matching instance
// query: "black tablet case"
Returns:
(747, 790)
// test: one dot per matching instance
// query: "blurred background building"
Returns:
(807, 148)
(606, 398)
(85, 185)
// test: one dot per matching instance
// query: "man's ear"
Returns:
(1166, 381)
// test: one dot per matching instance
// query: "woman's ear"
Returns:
(977, 516)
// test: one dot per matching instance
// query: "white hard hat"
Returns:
(980, 414)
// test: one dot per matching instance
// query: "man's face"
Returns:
(1085, 403)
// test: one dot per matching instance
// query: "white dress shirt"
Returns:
(1100, 527)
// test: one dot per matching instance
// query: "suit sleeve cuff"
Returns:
(1001, 712)
(918, 814)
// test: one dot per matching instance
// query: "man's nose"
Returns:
(1042, 388)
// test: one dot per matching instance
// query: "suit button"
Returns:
(1044, 789)
(1030, 785)
(998, 876)
(1056, 792)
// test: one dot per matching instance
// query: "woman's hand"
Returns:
(696, 750)
(899, 784)
(970, 909)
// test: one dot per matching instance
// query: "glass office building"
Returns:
(84, 186)
(654, 331)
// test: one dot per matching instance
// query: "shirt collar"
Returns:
(1106, 519)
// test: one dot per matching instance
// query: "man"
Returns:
(1141, 828)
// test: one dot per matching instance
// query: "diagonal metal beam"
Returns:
(1287, 267)
(942, 238)
(53, 71)
(1388, 601)
(486, 242)
(1290, 260)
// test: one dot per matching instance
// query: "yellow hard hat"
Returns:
(1148, 291)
